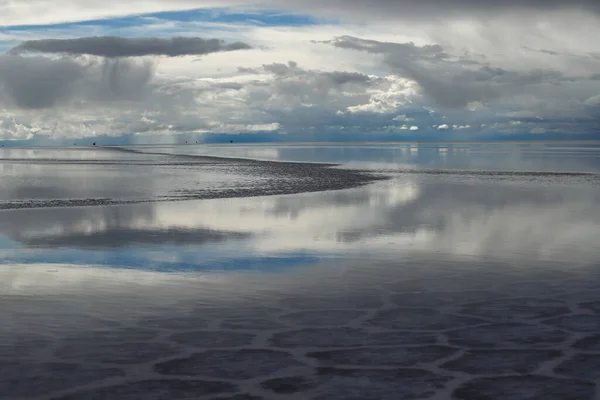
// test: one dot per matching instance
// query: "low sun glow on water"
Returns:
(251, 266)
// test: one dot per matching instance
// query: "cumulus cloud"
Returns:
(293, 86)
(395, 92)
(114, 46)
(425, 65)
(452, 81)
(10, 129)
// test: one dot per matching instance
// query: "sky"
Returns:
(169, 72)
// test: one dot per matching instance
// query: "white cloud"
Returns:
(402, 117)
(459, 127)
(40, 12)
(393, 94)
(443, 127)
(10, 129)
(592, 101)
(246, 128)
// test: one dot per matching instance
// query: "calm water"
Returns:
(438, 270)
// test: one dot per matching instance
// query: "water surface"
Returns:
(471, 270)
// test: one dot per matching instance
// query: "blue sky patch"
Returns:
(222, 16)
(133, 26)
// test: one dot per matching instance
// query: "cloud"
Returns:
(357, 83)
(449, 80)
(124, 79)
(114, 46)
(314, 102)
(122, 96)
(38, 82)
(41, 82)
(393, 93)
(10, 129)
(118, 238)
(593, 101)
(46, 12)
(459, 127)
(430, 66)
(105, 70)
(441, 9)
(293, 88)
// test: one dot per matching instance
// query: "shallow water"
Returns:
(470, 272)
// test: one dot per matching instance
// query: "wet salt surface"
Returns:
(112, 176)
(424, 286)
(247, 335)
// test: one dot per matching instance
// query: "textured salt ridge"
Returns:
(282, 178)
(406, 339)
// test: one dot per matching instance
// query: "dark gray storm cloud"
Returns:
(113, 46)
(427, 9)
(450, 81)
(123, 79)
(428, 52)
(281, 69)
(41, 82)
(336, 78)
(430, 66)
(38, 82)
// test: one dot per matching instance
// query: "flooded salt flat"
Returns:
(466, 274)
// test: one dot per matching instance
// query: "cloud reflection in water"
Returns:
(383, 220)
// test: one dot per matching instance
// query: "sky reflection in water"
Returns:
(438, 214)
